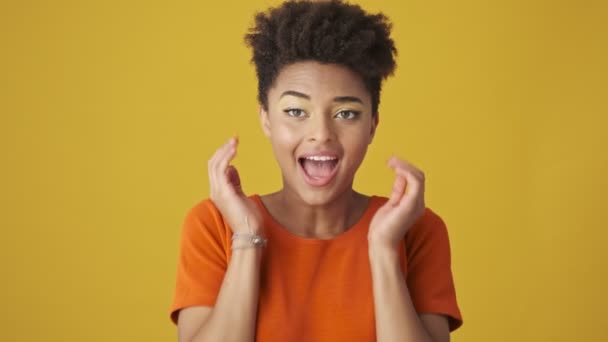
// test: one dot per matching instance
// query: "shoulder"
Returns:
(430, 223)
(204, 209)
(204, 218)
(430, 226)
(429, 233)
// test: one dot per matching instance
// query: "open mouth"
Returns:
(319, 170)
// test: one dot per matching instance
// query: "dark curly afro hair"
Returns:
(330, 32)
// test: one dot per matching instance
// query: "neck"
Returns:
(321, 221)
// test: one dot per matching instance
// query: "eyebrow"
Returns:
(296, 94)
(341, 99)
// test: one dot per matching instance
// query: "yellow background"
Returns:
(110, 110)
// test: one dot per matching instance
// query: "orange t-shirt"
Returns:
(312, 289)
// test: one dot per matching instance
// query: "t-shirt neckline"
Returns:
(286, 234)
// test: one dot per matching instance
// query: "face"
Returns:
(319, 122)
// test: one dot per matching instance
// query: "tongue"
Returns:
(318, 169)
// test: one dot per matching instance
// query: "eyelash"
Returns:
(353, 114)
(289, 111)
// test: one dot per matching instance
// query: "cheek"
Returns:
(359, 149)
(284, 140)
(356, 142)
(283, 135)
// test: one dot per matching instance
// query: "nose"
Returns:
(321, 129)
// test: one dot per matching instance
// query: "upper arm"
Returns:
(437, 326)
(190, 320)
(429, 273)
(202, 261)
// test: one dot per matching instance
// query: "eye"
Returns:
(295, 112)
(347, 114)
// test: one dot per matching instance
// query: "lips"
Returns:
(319, 169)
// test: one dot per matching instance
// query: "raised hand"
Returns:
(226, 192)
(403, 208)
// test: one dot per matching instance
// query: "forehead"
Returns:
(319, 81)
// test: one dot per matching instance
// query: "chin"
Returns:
(319, 197)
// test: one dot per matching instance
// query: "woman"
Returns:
(316, 260)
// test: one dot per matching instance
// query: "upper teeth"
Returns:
(321, 158)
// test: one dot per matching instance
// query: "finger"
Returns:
(211, 170)
(409, 173)
(221, 168)
(217, 155)
(228, 153)
(212, 165)
(414, 193)
(413, 189)
(398, 190)
(413, 176)
(397, 163)
(404, 168)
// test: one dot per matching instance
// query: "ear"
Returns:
(264, 121)
(375, 123)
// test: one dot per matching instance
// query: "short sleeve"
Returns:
(429, 275)
(202, 260)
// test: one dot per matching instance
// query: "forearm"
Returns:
(233, 318)
(396, 317)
